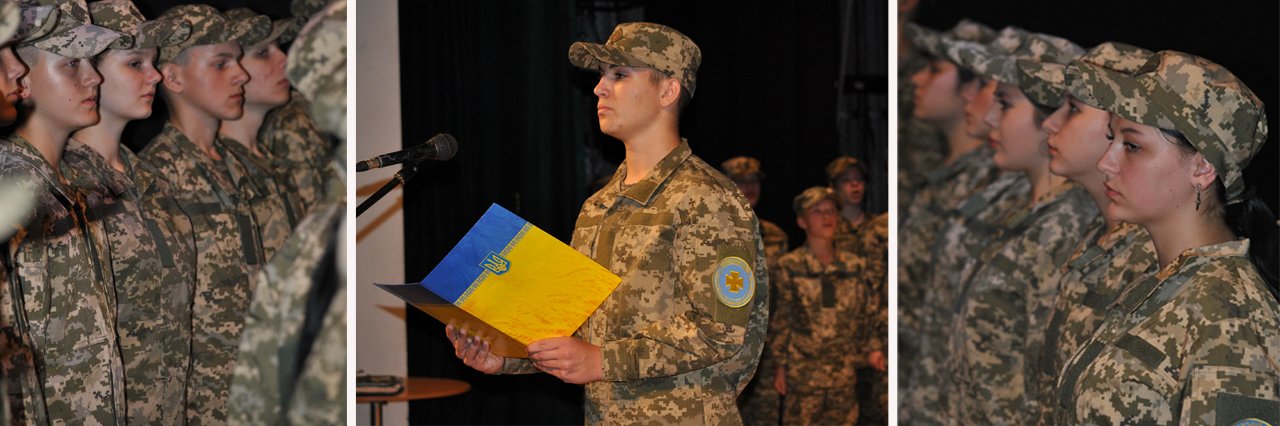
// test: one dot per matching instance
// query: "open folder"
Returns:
(511, 284)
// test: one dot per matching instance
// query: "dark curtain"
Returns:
(1240, 35)
(495, 74)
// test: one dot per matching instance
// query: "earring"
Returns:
(1198, 188)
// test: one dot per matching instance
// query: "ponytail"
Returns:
(1253, 219)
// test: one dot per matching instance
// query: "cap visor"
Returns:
(80, 42)
(162, 33)
(591, 55)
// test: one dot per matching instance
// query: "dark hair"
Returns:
(1249, 218)
(964, 76)
(1042, 113)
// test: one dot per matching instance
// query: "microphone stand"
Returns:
(406, 172)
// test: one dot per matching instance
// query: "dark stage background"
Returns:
(1241, 35)
(495, 74)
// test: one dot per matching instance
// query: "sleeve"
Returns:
(780, 318)
(713, 258)
(1231, 370)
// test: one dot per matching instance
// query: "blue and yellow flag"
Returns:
(517, 279)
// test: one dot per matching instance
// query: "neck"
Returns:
(822, 248)
(645, 150)
(853, 213)
(959, 142)
(104, 138)
(1042, 181)
(1184, 230)
(46, 137)
(198, 126)
(1094, 184)
(245, 129)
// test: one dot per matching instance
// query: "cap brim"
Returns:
(590, 55)
(278, 29)
(12, 20)
(1042, 82)
(162, 33)
(247, 31)
(1131, 97)
(83, 41)
(36, 22)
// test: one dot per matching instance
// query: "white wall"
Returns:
(380, 230)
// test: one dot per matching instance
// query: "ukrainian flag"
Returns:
(520, 280)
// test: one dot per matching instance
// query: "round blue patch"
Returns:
(1251, 422)
(735, 283)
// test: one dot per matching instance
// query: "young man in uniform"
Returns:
(681, 335)
(203, 84)
(59, 282)
(825, 295)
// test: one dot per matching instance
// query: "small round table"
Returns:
(415, 388)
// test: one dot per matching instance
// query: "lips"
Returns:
(1112, 194)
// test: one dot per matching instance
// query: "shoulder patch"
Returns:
(735, 282)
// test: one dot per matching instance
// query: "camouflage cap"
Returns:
(10, 19)
(37, 21)
(123, 16)
(73, 35)
(738, 168)
(644, 45)
(1216, 112)
(318, 67)
(838, 166)
(934, 42)
(811, 197)
(278, 26)
(209, 26)
(978, 56)
(302, 11)
(1115, 56)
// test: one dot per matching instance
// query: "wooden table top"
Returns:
(417, 388)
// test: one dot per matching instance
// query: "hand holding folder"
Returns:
(509, 283)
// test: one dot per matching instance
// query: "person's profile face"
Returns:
(851, 187)
(11, 69)
(268, 85)
(750, 187)
(628, 100)
(129, 79)
(1018, 141)
(1078, 135)
(64, 91)
(1147, 176)
(214, 80)
(977, 108)
(937, 95)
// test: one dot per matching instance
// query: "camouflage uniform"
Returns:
(228, 254)
(275, 383)
(1103, 265)
(154, 267)
(1003, 308)
(62, 358)
(301, 151)
(674, 349)
(936, 201)
(1196, 343)
(818, 305)
(276, 209)
(964, 237)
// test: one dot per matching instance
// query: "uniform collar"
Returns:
(1234, 248)
(30, 154)
(642, 191)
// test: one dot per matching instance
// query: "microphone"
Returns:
(441, 147)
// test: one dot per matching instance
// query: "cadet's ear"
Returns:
(171, 77)
(671, 90)
(1203, 172)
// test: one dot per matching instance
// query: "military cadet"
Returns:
(202, 85)
(759, 402)
(59, 279)
(681, 335)
(1196, 341)
(1002, 308)
(1110, 253)
(148, 239)
(955, 98)
(846, 176)
(922, 145)
(291, 134)
(823, 294)
(277, 209)
(292, 363)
